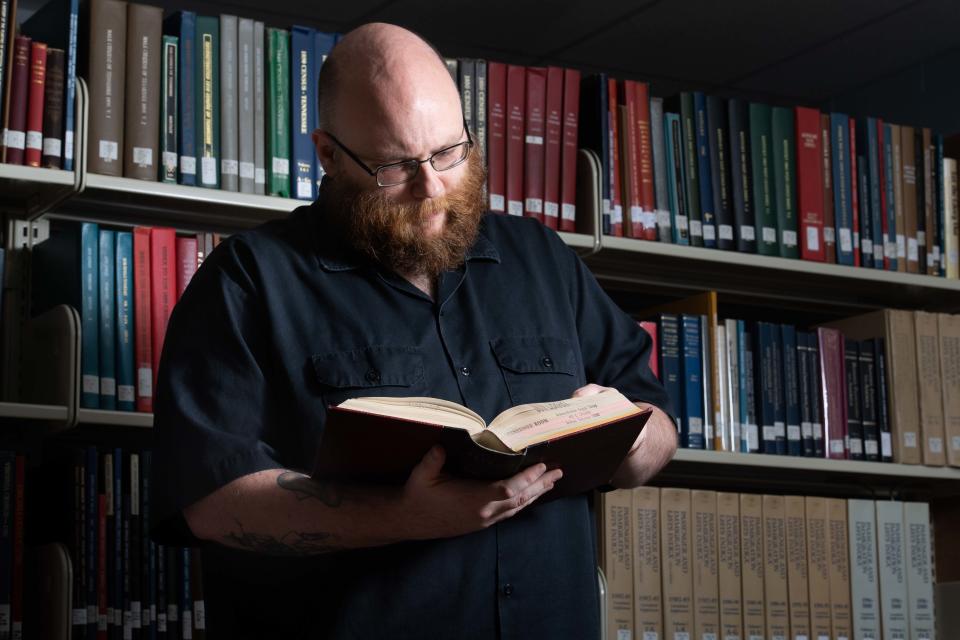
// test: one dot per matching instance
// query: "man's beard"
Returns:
(392, 234)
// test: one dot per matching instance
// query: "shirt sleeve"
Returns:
(212, 402)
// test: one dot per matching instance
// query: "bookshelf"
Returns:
(24, 411)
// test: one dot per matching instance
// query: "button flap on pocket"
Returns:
(376, 366)
(535, 354)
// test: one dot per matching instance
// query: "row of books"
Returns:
(124, 285)
(707, 564)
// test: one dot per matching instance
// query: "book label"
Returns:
(748, 233)
(281, 166)
(846, 241)
(567, 211)
(143, 157)
(496, 202)
(34, 140)
(14, 139)
(144, 382)
(108, 150)
(247, 170)
(696, 227)
(68, 145)
(769, 234)
(260, 176)
(208, 170)
(188, 165)
(229, 167)
(515, 207)
(726, 232)
(534, 205)
(52, 146)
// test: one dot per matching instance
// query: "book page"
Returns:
(429, 410)
(529, 424)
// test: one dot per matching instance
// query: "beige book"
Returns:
(910, 185)
(949, 329)
(951, 219)
(818, 562)
(141, 135)
(798, 594)
(751, 566)
(706, 615)
(616, 561)
(775, 568)
(106, 69)
(839, 568)
(930, 389)
(676, 565)
(891, 553)
(896, 327)
(647, 603)
(864, 582)
(916, 517)
(728, 566)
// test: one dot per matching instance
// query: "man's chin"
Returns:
(433, 224)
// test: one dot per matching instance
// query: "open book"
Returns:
(382, 439)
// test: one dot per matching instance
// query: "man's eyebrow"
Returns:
(396, 154)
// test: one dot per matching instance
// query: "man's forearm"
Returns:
(655, 447)
(280, 512)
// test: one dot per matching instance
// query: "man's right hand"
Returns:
(435, 504)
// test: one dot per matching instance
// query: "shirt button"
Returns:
(547, 362)
(373, 376)
(465, 370)
(507, 590)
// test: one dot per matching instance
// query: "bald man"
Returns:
(394, 282)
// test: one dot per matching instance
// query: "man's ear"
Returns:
(325, 150)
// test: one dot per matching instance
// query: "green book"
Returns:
(688, 120)
(785, 181)
(761, 159)
(169, 100)
(207, 95)
(278, 113)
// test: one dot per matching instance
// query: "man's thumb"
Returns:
(431, 465)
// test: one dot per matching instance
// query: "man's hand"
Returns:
(438, 505)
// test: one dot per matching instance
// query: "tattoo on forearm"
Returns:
(292, 543)
(305, 488)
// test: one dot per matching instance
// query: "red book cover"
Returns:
(15, 136)
(651, 328)
(616, 201)
(829, 221)
(38, 81)
(552, 147)
(568, 155)
(516, 116)
(855, 181)
(102, 567)
(833, 392)
(888, 247)
(534, 131)
(647, 192)
(809, 183)
(16, 593)
(163, 288)
(629, 164)
(143, 346)
(496, 132)
(186, 262)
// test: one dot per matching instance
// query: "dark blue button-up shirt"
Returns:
(281, 322)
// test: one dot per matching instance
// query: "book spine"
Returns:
(480, 116)
(761, 155)
(7, 464)
(749, 431)
(816, 401)
(752, 565)
(732, 373)
(939, 205)
(647, 580)
(278, 120)
(891, 254)
(207, 100)
(829, 219)
(838, 547)
(616, 555)
(863, 194)
(533, 141)
(186, 23)
(909, 173)
(630, 160)
(854, 441)
(70, 88)
(17, 561)
(809, 183)
(134, 541)
(169, 121)
(709, 376)
(648, 206)
(877, 218)
(791, 390)
(107, 70)
(658, 151)
(302, 99)
(33, 144)
(704, 171)
(568, 155)
(818, 574)
(692, 436)
(933, 267)
(775, 567)
(163, 288)
(842, 187)
(91, 526)
(882, 212)
(868, 407)
(948, 327)
(246, 130)
(830, 343)
(729, 569)
(675, 180)
(467, 75)
(901, 349)
(741, 176)
(864, 587)
(951, 219)
(798, 587)
(613, 164)
(920, 569)
(15, 134)
(892, 568)
(804, 394)
(677, 573)
(101, 567)
(259, 113)
(497, 142)
(141, 136)
(883, 407)
(142, 296)
(723, 430)
(706, 579)
(89, 316)
(126, 386)
(854, 197)
(897, 179)
(147, 567)
(668, 328)
(107, 297)
(766, 386)
(720, 171)
(515, 117)
(186, 262)
(553, 144)
(930, 388)
(689, 159)
(5, 36)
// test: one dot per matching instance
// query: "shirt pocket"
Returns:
(379, 370)
(537, 368)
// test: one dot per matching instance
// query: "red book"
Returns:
(616, 203)
(38, 82)
(102, 567)
(568, 155)
(16, 599)
(186, 262)
(15, 136)
(855, 181)
(651, 328)
(833, 392)
(141, 318)
(629, 159)
(809, 183)
(496, 132)
(163, 288)
(889, 248)
(516, 116)
(534, 131)
(648, 205)
(552, 147)
(829, 222)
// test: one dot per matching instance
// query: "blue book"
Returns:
(939, 250)
(874, 157)
(184, 25)
(749, 436)
(322, 45)
(890, 242)
(92, 524)
(842, 186)
(854, 440)
(805, 393)
(767, 373)
(707, 211)
(126, 385)
(668, 330)
(108, 339)
(866, 224)
(741, 176)
(676, 179)
(691, 365)
(303, 92)
(791, 389)
(55, 23)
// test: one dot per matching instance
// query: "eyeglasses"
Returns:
(395, 173)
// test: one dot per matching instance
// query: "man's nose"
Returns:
(427, 183)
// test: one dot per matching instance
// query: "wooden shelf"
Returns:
(33, 411)
(115, 418)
